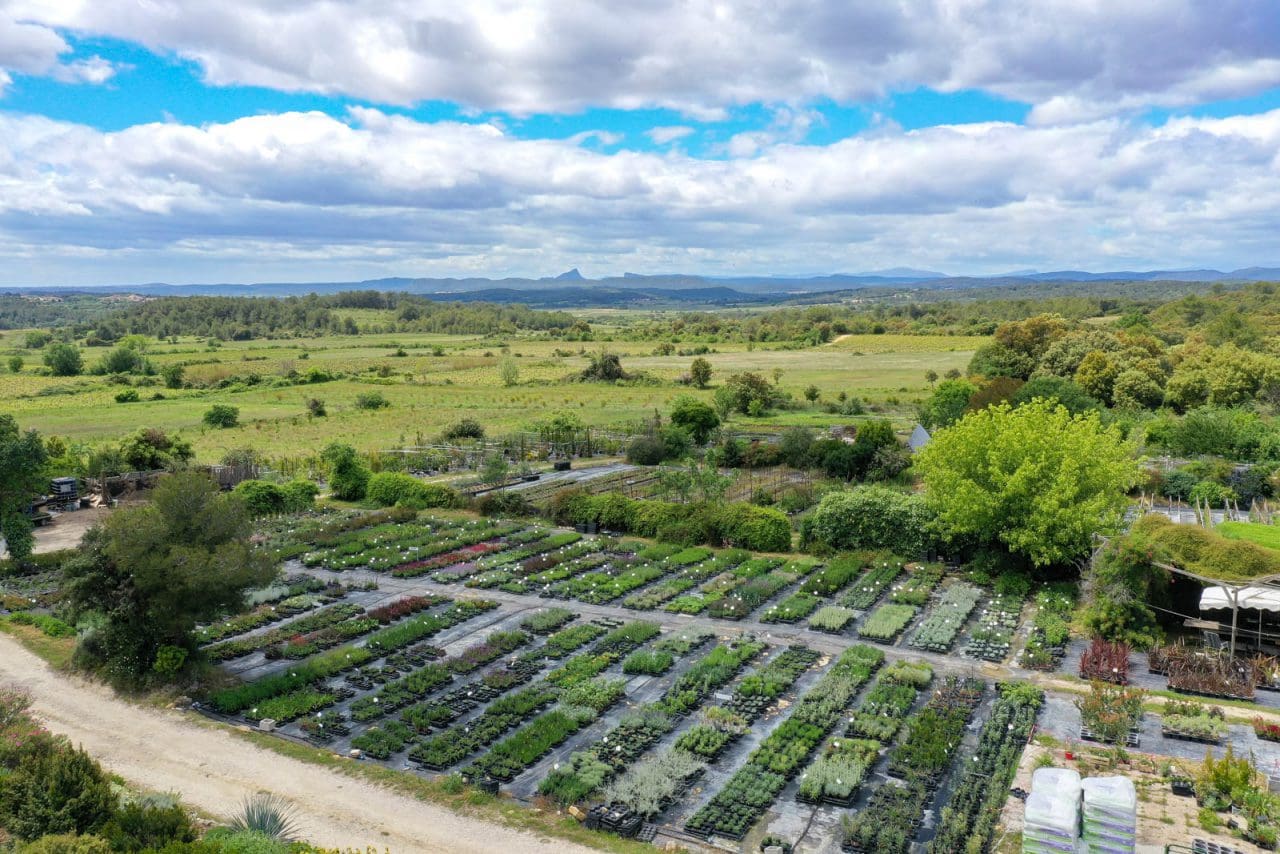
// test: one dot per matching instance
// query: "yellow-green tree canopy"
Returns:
(1037, 479)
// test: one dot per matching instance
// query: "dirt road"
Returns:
(214, 771)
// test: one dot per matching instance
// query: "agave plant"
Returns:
(268, 814)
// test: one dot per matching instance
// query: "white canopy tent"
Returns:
(1252, 598)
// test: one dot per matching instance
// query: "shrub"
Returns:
(138, 826)
(371, 400)
(222, 415)
(63, 360)
(348, 476)
(646, 451)
(128, 395)
(70, 843)
(55, 789)
(871, 517)
(760, 529)
(261, 498)
(299, 495)
(467, 428)
(50, 626)
(386, 489)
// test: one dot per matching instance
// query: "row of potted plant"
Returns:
(1050, 627)
(750, 791)
(412, 543)
(832, 619)
(568, 640)
(757, 691)
(526, 746)
(495, 552)
(349, 657)
(237, 647)
(645, 726)
(267, 612)
(938, 630)
(457, 743)
(461, 554)
(597, 588)
(496, 645)
(872, 584)
(348, 549)
(396, 695)
(834, 576)
(499, 569)
(653, 783)
(381, 742)
(919, 586)
(889, 822)
(887, 622)
(835, 776)
(968, 820)
(794, 608)
(712, 591)
(933, 734)
(548, 620)
(751, 595)
(301, 646)
(404, 607)
(992, 636)
(1106, 661)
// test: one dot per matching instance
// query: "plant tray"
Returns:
(1086, 734)
(1186, 736)
(1199, 846)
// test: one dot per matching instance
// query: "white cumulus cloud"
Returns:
(1071, 59)
(306, 195)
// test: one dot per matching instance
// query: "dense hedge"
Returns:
(389, 488)
(265, 499)
(736, 524)
(870, 517)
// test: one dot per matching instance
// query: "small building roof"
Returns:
(919, 438)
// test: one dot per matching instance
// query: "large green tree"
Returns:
(694, 416)
(152, 572)
(1036, 479)
(22, 459)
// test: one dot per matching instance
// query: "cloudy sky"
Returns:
(255, 140)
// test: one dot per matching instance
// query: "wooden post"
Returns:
(1235, 611)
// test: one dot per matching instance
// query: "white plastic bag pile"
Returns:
(1110, 815)
(1053, 813)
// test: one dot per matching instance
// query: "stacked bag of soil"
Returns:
(1110, 815)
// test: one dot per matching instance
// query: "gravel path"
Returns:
(214, 771)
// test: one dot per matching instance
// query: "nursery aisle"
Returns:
(214, 771)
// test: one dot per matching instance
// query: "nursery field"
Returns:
(431, 381)
(672, 693)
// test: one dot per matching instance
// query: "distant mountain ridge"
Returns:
(665, 286)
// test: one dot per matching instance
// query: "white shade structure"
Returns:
(1252, 598)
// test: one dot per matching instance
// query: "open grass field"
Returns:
(442, 378)
(1254, 532)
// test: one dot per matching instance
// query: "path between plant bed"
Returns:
(214, 771)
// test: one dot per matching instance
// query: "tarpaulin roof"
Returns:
(1252, 598)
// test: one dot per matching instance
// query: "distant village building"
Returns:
(919, 438)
